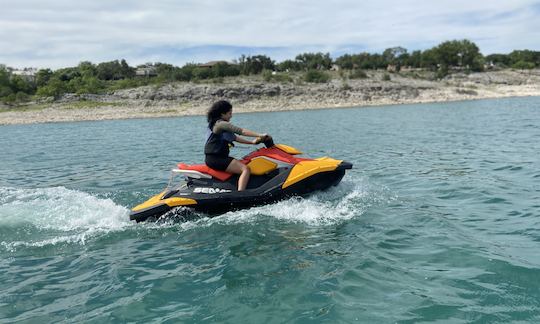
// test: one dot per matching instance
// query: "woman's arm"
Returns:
(223, 126)
(247, 132)
(242, 140)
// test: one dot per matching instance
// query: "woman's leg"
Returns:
(240, 168)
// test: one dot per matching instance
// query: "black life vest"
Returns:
(218, 144)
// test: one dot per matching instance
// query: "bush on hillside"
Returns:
(315, 76)
(270, 76)
(358, 74)
(522, 65)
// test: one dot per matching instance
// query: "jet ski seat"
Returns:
(204, 169)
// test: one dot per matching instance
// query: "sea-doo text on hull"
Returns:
(276, 173)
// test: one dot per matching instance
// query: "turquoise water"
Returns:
(438, 221)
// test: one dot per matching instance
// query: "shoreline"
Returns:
(176, 100)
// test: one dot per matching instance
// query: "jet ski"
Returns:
(277, 172)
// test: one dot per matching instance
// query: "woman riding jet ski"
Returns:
(263, 176)
(221, 134)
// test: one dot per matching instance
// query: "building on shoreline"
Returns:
(146, 71)
(29, 74)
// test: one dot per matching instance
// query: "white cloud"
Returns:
(60, 33)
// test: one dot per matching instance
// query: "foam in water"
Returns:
(67, 215)
(348, 200)
(60, 215)
(341, 203)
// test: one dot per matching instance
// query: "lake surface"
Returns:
(438, 221)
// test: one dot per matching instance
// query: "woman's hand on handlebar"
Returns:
(262, 138)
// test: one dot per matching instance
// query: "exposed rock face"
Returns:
(364, 91)
(188, 92)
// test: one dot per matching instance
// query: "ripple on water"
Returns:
(437, 222)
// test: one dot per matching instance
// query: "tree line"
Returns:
(89, 78)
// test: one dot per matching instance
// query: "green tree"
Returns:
(525, 56)
(43, 76)
(415, 59)
(367, 61)
(462, 53)
(224, 69)
(126, 70)
(255, 64)
(314, 61)
(429, 59)
(499, 59)
(86, 85)
(20, 84)
(289, 65)
(202, 73)
(114, 70)
(87, 69)
(186, 72)
(165, 72)
(345, 62)
(54, 88)
(394, 56)
(5, 84)
(67, 74)
(448, 54)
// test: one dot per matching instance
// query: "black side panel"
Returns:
(154, 211)
(319, 181)
(268, 193)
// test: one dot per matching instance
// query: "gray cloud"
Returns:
(60, 33)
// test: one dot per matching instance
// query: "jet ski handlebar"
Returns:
(268, 141)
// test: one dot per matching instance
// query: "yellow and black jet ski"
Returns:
(276, 173)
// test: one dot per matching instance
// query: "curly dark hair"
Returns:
(215, 112)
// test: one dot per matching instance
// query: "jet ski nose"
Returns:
(344, 165)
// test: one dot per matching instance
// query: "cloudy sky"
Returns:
(60, 33)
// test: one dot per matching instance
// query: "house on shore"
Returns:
(146, 71)
(29, 74)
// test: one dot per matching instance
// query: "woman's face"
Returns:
(227, 116)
